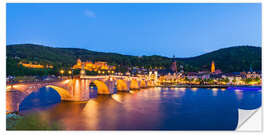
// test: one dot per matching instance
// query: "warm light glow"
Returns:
(223, 89)
(213, 67)
(117, 98)
(194, 89)
(62, 71)
(8, 87)
(90, 111)
(90, 66)
(121, 85)
(62, 92)
(66, 81)
(101, 87)
(69, 72)
(134, 84)
(17, 86)
(142, 84)
(82, 72)
(30, 65)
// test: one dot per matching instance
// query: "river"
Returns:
(146, 109)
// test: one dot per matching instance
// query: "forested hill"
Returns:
(68, 56)
(232, 59)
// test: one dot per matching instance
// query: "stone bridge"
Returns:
(75, 89)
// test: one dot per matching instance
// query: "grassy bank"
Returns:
(29, 122)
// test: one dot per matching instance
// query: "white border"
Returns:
(265, 68)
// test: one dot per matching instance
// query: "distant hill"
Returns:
(68, 56)
(232, 59)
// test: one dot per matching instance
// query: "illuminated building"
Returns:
(90, 66)
(218, 71)
(30, 65)
(213, 67)
(252, 74)
(192, 75)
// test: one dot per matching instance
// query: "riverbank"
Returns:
(200, 86)
(14, 121)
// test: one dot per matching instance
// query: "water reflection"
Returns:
(194, 89)
(155, 109)
(92, 90)
(248, 100)
(43, 97)
(239, 94)
(215, 91)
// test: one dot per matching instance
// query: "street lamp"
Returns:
(62, 72)
(69, 72)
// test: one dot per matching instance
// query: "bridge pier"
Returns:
(13, 100)
(111, 86)
(128, 84)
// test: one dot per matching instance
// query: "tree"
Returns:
(234, 80)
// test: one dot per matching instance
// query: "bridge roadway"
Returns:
(75, 89)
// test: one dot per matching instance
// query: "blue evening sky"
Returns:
(184, 30)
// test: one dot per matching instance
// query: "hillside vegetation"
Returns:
(232, 59)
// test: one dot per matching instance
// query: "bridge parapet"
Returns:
(75, 89)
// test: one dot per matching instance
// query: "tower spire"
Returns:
(213, 67)
(174, 67)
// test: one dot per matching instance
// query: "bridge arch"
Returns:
(134, 84)
(150, 83)
(18, 99)
(102, 88)
(43, 97)
(64, 94)
(143, 84)
(121, 85)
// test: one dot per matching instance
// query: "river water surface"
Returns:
(146, 109)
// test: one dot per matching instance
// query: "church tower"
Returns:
(174, 67)
(213, 67)
(79, 62)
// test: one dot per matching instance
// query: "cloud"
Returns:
(90, 14)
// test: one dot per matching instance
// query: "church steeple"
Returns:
(174, 67)
(213, 67)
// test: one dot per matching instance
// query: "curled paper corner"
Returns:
(249, 120)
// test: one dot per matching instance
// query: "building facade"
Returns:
(96, 66)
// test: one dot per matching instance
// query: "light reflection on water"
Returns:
(154, 109)
(239, 94)
(215, 91)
